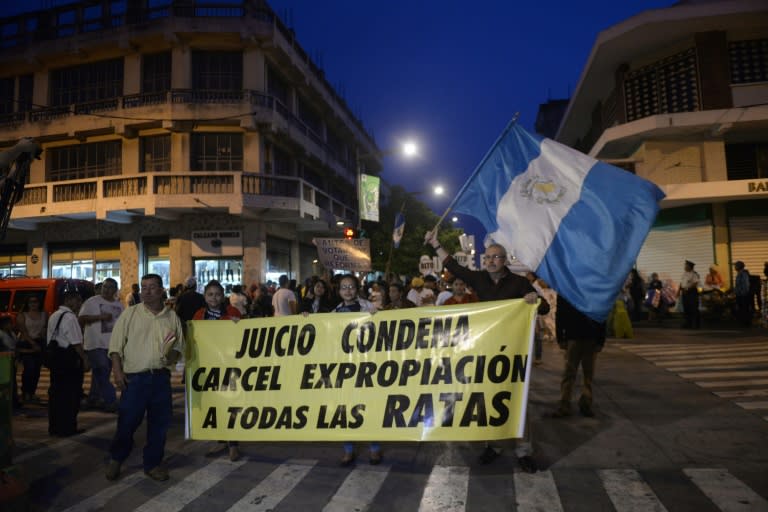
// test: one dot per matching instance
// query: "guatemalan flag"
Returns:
(397, 233)
(577, 221)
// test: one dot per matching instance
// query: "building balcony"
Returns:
(126, 199)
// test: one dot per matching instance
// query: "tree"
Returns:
(419, 218)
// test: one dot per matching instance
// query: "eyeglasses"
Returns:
(347, 287)
(495, 257)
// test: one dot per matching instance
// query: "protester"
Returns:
(545, 324)
(134, 297)
(420, 295)
(9, 343)
(284, 299)
(352, 303)
(636, 289)
(99, 314)
(495, 282)
(376, 296)
(582, 338)
(713, 280)
(460, 294)
(260, 304)
(238, 300)
(146, 342)
(444, 293)
(318, 299)
(188, 301)
(32, 323)
(67, 366)
(743, 295)
(216, 308)
(689, 291)
(396, 299)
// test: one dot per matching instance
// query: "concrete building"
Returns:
(179, 137)
(680, 97)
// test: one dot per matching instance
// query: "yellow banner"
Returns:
(444, 373)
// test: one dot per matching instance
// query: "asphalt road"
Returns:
(681, 425)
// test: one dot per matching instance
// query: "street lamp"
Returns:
(408, 149)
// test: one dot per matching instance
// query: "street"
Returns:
(681, 425)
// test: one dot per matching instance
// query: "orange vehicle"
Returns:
(14, 292)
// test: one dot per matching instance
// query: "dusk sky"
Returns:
(450, 74)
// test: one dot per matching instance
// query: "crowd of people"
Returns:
(131, 346)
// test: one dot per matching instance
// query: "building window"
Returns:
(667, 86)
(26, 84)
(747, 161)
(277, 86)
(310, 117)
(84, 161)
(748, 61)
(157, 259)
(217, 70)
(6, 95)
(92, 264)
(156, 72)
(155, 154)
(88, 82)
(217, 152)
(13, 263)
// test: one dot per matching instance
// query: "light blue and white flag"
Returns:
(577, 221)
(397, 233)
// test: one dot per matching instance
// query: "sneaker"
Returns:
(488, 455)
(158, 473)
(113, 470)
(234, 453)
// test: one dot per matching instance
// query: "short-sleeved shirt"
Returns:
(68, 332)
(96, 334)
(138, 337)
(281, 301)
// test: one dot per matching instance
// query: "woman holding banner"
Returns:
(318, 299)
(351, 302)
(217, 309)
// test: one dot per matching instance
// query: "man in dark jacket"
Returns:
(581, 338)
(496, 282)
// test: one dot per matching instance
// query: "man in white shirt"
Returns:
(284, 300)
(420, 295)
(67, 367)
(98, 315)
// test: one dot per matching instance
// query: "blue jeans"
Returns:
(101, 366)
(150, 393)
(349, 447)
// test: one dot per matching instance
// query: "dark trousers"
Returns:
(148, 393)
(691, 309)
(584, 353)
(744, 309)
(30, 376)
(64, 400)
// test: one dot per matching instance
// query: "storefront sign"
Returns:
(217, 243)
(757, 186)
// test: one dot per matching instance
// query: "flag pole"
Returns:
(392, 246)
(477, 169)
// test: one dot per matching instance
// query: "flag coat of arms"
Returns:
(579, 222)
(397, 233)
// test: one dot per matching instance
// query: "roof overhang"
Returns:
(643, 34)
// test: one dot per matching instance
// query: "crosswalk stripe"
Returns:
(707, 354)
(176, 497)
(725, 491)
(733, 366)
(731, 383)
(536, 492)
(704, 375)
(275, 487)
(446, 489)
(704, 362)
(743, 393)
(100, 499)
(699, 351)
(358, 490)
(752, 405)
(628, 492)
(682, 346)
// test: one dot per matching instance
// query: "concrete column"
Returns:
(129, 263)
(254, 67)
(180, 149)
(181, 68)
(181, 258)
(721, 241)
(293, 271)
(714, 71)
(252, 158)
(132, 74)
(254, 253)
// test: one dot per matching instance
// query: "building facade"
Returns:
(679, 96)
(179, 137)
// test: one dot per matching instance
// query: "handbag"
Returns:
(57, 358)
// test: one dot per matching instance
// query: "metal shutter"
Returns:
(749, 242)
(666, 249)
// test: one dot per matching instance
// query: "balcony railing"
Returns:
(51, 196)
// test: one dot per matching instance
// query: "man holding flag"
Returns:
(577, 222)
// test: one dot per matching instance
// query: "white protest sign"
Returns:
(342, 254)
